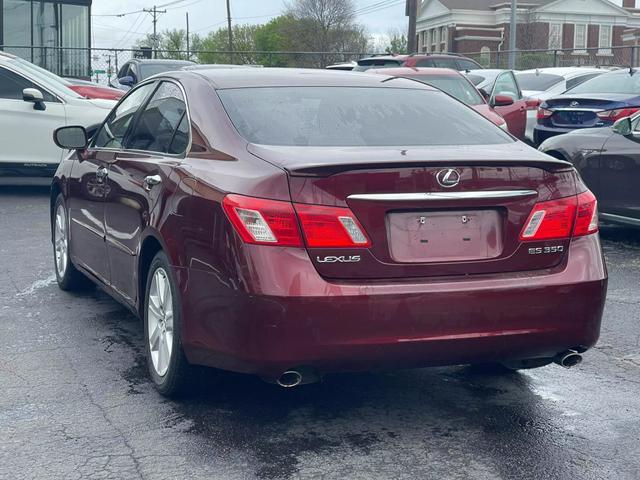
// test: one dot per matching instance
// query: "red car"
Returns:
(280, 223)
(93, 90)
(503, 84)
(456, 85)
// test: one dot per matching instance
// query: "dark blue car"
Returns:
(598, 102)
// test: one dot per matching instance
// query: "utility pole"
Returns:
(154, 13)
(229, 30)
(188, 49)
(513, 34)
(411, 11)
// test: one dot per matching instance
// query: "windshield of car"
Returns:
(149, 69)
(364, 65)
(538, 82)
(610, 83)
(47, 78)
(455, 86)
(355, 116)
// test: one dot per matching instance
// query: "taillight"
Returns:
(263, 222)
(543, 113)
(330, 227)
(273, 222)
(617, 114)
(558, 219)
(587, 217)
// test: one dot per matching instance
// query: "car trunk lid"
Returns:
(417, 227)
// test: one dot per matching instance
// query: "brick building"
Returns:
(474, 26)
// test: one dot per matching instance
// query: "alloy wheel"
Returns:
(160, 321)
(61, 241)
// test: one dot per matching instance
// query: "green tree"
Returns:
(214, 47)
(397, 43)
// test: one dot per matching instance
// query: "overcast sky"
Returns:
(379, 17)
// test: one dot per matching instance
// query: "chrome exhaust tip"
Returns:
(290, 379)
(568, 359)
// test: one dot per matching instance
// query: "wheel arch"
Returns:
(151, 244)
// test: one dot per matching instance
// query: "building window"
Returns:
(555, 36)
(485, 56)
(580, 38)
(443, 38)
(604, 43)
(435, 40)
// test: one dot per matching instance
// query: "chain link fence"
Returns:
(98, 64)
(529, 59)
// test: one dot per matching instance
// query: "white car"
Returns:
(542, 83)
(32, 106)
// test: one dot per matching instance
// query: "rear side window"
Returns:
(445, 63)
(355, 116)
(157, 125)
(12, 85)
(456, 86)
(465, 64)
(538, 82)
(425, 63)
(112, 133)
(575, 81)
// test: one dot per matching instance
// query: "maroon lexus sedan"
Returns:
(282, 223)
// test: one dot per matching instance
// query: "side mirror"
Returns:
(623, 127)
(484, 93)
(34, 96)
(127, 81)
(71, 138)
(502, 101)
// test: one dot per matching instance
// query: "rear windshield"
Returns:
(355, 116)
(611, 83)
(538, 82)
(457, 87)
(364, 65)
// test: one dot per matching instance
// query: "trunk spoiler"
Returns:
(327, 161)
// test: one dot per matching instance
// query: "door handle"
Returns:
(102, 173)
(150, 181)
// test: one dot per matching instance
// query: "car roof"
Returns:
(161, 61)
(294, 77)
(565, 71)
(425, 71)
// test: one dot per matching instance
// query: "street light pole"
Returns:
(513, 34)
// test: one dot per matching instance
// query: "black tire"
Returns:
(177, 379)
(70, 279)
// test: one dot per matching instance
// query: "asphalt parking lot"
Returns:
(76, 402)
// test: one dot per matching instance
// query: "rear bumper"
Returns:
(292, 317)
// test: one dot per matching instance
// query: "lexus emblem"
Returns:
(574, 104)
(448, 178)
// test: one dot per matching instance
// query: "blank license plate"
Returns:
(445, 236)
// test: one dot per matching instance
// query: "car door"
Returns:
(22, 122)
(515, 114)
(618, 190)
(89, 187)
(153, 147)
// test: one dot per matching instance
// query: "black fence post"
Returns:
(555, 58)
